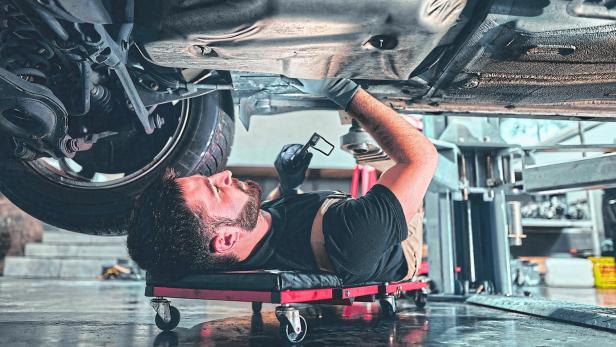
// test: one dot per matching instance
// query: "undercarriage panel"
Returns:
(383, 39)
(520, 58)
(534, 58)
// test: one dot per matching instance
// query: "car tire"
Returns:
(202, 148)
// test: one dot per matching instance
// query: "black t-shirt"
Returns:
(362, 236)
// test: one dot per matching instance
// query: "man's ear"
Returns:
(225, 240)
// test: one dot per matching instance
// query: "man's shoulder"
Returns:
(378, 209)
(307, 200)
(320, 195)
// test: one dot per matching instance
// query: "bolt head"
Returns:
(205, 50)
(472, 83)
(158, 121)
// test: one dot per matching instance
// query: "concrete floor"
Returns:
(89, 313)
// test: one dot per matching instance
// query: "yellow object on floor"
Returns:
(604, 269)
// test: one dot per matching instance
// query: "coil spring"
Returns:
(22, 50)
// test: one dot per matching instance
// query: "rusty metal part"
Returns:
(70, 146)
(578, 110)
(529, 59)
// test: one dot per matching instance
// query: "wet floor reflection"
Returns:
(87, 313)
(362, 325)
(262, 330)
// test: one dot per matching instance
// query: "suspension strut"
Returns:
(29, 110)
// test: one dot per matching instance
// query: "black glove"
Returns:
(291, 169)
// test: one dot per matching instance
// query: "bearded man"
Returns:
(218, 223)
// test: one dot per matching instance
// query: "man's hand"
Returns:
(291, 168)
(337, 89)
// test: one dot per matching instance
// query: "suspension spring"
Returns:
(22, 50)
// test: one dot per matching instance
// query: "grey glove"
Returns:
(291, 169)
(337, 89)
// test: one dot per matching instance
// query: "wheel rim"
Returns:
(60, 173)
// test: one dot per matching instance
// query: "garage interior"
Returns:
(98, 97)
(523, 264)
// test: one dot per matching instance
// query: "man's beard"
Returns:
(249, 215)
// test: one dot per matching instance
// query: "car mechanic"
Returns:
(194, 224)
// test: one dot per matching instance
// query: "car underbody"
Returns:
(547, 59)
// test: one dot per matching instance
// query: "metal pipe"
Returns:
(514, 223)
(596, 216)
(568, 134)
(500, 246)
(52, 23)
(594, 205)
(471, 246)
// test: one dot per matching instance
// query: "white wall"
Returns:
(260, 146)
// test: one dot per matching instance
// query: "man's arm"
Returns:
(415, 156)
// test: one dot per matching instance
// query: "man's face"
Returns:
(224, 198)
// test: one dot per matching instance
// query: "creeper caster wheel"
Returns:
(291, 336)
(420, 299)
(388, 306)
(167, 316)
(293, 326)
(174, 314)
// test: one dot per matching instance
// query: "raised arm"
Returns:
(415, 156)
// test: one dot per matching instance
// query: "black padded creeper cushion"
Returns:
(258, 280)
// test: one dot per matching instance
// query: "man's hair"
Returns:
(167, 238)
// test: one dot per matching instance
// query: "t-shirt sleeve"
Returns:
(358, 231)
